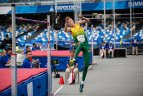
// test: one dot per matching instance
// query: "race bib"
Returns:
(81, 38)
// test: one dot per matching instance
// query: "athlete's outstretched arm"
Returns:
(83, 20)
(66, 28)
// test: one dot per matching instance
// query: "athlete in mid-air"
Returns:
(81, 41)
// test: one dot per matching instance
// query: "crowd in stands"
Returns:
(6, 51)
(122, 33)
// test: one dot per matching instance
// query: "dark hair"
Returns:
(28, 51)
(27, 47)
(7, 35)
(34, 44)
(9, 49)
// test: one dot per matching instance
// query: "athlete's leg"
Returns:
(78, 49)
(86, 56)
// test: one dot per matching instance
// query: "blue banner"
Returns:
(85, 7)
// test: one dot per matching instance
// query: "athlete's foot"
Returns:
(81, 88)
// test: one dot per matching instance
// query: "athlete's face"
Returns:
(70, 22)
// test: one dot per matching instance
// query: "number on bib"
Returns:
(81, 38)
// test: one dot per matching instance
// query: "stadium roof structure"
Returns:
(41, 2)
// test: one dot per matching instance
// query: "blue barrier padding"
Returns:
(62, 62)
(40, 86)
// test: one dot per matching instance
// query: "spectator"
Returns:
(9, 52)
(27, 49)
(20, 57)
(103, 50)
(134, 46)
(111, 50)
(72, 47)
(72, 66)
(4, 59)
(7, 37)
(29, 62)
(39, 46)
(34, 47)
(6, 42)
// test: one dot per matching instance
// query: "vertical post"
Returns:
(13, 57)
(56, 23)
(86, 25)
(130, 19)
(56, 10)
(80, 4)
(49, 58)
(56, 39)
(75, 10)
(92, 43)
(114, 23)
(104, 17)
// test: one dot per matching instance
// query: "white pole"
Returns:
(56, 39)
(104, 18)
(75, 10)
(49, 58)
(86, 28)
(92, 43)
(56, 23)
(130, 19)
(80, 4)
(56, 10)
(114, 23)
(13, 57)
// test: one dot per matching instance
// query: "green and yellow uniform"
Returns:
(81, 41)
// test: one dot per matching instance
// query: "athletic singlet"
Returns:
(78, 34)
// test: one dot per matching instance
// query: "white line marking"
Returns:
(58, 90)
